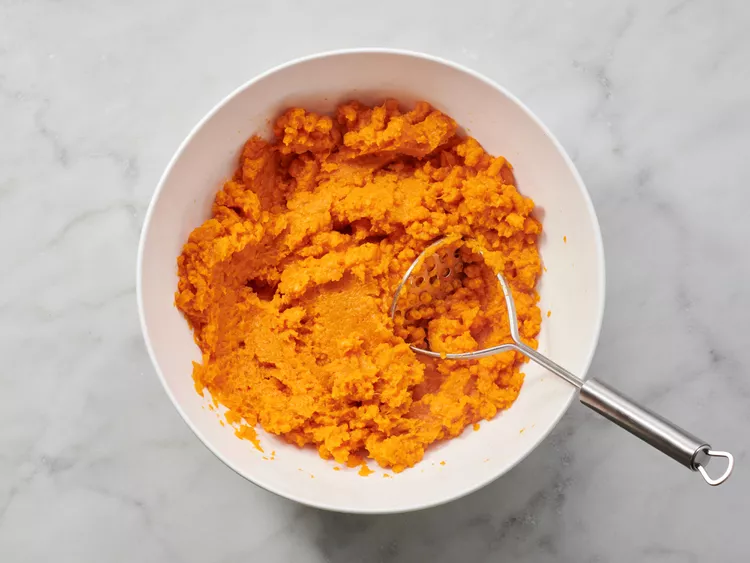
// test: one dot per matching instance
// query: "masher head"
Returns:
(436, 273)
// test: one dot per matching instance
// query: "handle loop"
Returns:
(719, 480)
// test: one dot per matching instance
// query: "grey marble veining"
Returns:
(651, 99)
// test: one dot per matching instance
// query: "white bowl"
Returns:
(572, 286)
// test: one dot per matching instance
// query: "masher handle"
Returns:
(680, 445)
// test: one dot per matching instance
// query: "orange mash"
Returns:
(288, 285)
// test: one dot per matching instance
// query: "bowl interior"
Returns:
(572, 286)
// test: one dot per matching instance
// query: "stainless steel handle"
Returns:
(680, 445)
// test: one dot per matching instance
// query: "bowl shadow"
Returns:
(523, 507)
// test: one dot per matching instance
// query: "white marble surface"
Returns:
(651, 99)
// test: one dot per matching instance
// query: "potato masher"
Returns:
(441, 263)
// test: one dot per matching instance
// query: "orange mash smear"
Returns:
(288, 285)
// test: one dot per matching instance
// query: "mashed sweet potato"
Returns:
(287, 286)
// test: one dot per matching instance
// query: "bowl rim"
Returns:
(598, 243)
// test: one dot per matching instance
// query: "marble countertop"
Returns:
(652, 101)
